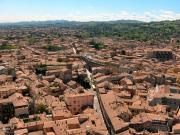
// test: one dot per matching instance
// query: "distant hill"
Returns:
(126, 29)
(62, 23)
(153, 31)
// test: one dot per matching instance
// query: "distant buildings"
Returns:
(15, 105)
(76, 102)
(165, 95)
(64, 74)
(151, 122)
(125, 88)
(6, 110)
(161, 54)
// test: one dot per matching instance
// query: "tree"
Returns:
(52, 48)
(41, 69)
(31, 40)
(41, 108)
(8, 47)
(97, 44)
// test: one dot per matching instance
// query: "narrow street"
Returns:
(96, 102)
(96, 105)
(89, 75)
(74, 50)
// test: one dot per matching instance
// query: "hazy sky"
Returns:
(89, 10)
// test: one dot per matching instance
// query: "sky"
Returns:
(89, 10)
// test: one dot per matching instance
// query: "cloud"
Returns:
(77, 16)
(168, 15)
(146, 16)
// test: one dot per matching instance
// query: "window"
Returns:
(93, 122)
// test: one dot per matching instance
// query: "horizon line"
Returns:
(29, 21)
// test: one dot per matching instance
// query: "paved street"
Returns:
(89, 75)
